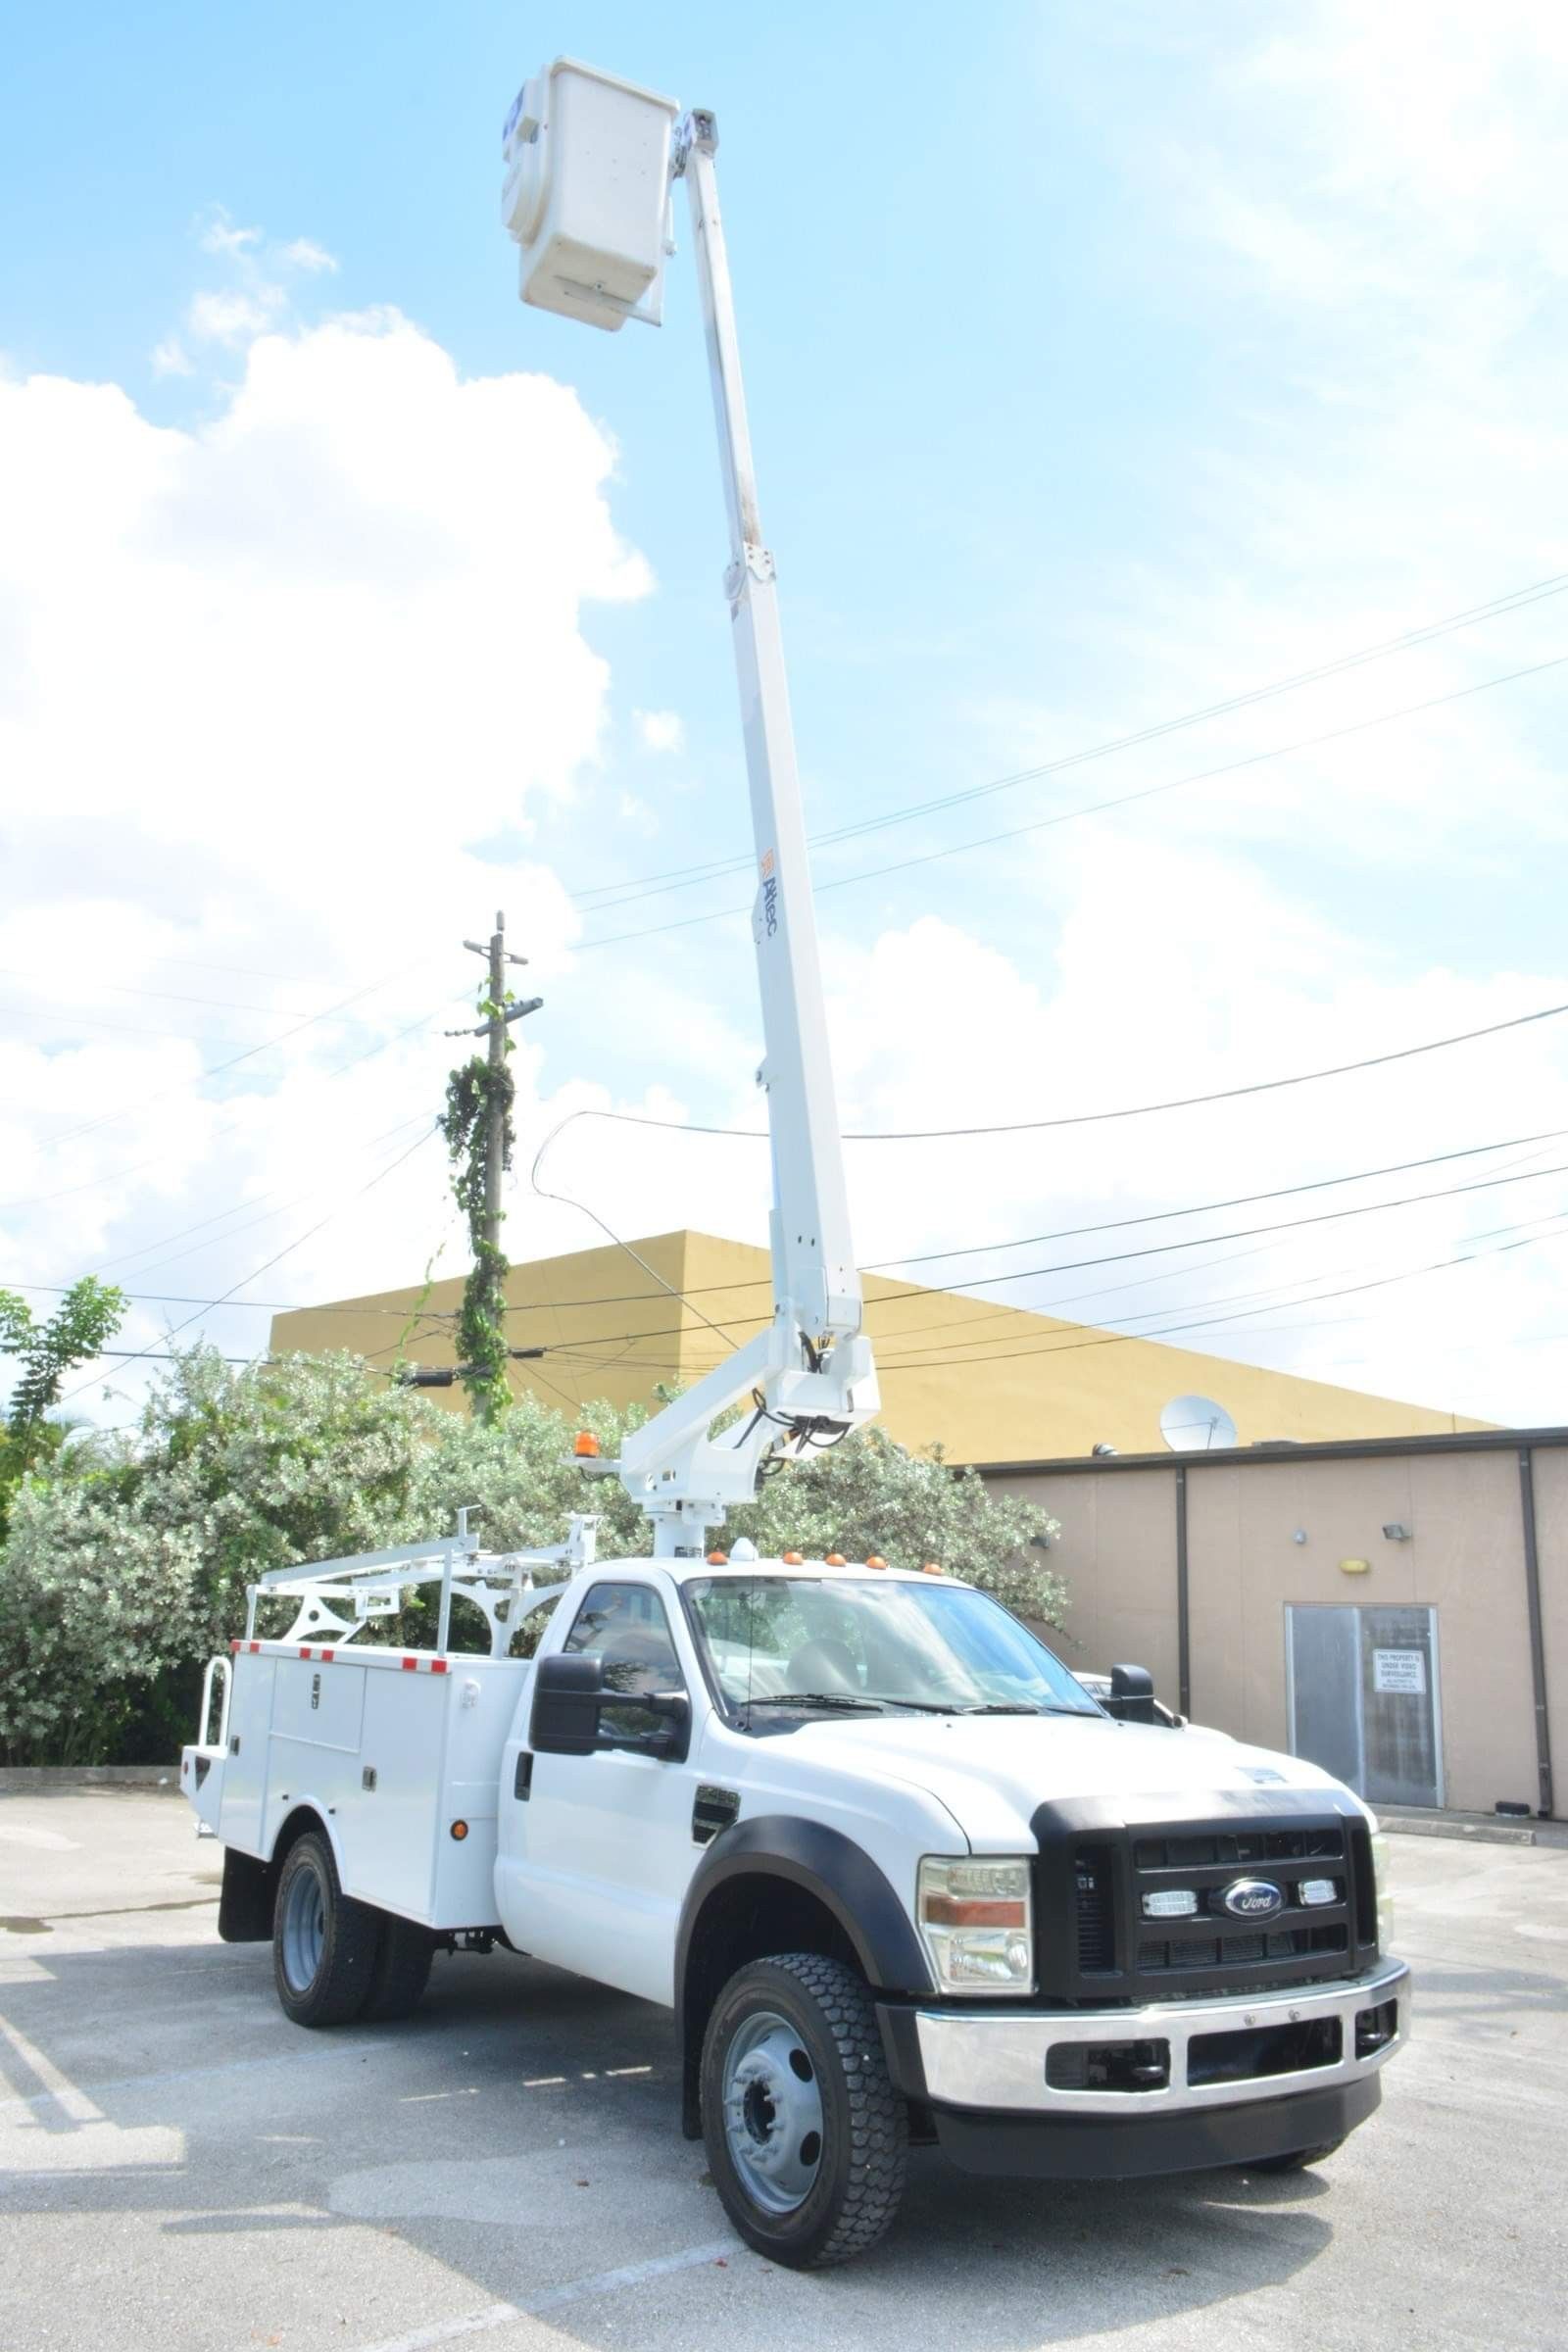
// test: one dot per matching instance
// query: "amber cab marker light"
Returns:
(459, 1831)
(874, 1559)
(792, 1559)
(834, 1559)
(717, 1559)
(585, 1445)
(931, 1568)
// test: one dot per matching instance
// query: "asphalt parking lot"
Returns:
(181, 2168)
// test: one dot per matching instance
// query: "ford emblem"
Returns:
(1252, 1898)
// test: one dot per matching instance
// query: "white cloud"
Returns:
(220, 235)
(303, 253)
(263, 675)
(660, 730)
(170, 358)
(232, 315)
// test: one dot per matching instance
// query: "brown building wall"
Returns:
(1128, 1614)
(1464, 1558)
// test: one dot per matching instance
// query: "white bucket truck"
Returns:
(897, 1874)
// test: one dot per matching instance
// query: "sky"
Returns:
(1105, 366)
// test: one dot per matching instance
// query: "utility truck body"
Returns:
(1058, 1944)
(895, 1872)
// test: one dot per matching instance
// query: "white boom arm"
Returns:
(810, 1374)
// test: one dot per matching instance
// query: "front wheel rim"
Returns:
(304, 1928)
(772, 2112)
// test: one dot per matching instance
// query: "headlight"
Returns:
(1383, 1892)
(978, 1923)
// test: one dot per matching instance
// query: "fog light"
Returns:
(1315, 1891)
(1174, 1902)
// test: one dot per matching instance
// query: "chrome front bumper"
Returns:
(996, 2062)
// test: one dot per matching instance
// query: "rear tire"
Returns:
(325, 1944)
(806, 2138)
(401, 1973)
(1296, 2161)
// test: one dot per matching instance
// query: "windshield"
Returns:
(845, 1645)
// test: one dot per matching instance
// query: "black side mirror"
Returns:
(671, 1740)
(568, 1693)
(569, 1696)
(1132, 1695)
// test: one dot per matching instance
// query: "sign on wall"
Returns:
(1402, 1670)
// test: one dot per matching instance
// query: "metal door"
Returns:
(1364, 1699)
(1323, 1667)
(1400, 1748)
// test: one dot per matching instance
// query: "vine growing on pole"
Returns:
(479, 1129)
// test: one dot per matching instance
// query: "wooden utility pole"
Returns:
(497, 1054)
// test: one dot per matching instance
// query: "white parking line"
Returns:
(554, 2298)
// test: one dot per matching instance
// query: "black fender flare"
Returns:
(823, 1863)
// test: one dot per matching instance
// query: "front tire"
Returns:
(806, 2138)
(325, 1944)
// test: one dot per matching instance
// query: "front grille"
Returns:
(1098, 1946)
(1240, 1951)
(1096, 1888)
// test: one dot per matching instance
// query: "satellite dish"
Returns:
(1195, 1425)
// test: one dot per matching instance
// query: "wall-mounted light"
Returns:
(1039, 1542)
(1355, 1567)
(1298, 1535)
(1397, 1531)
(1102, 1450)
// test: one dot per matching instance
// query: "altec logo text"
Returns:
(770, 894)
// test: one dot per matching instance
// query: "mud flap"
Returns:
(245, 1905)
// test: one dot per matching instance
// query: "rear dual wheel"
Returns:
(335, 1959)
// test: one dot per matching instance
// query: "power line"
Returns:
(1143, 1281)
(1124, 799)
(217, 1068)
(1064, 1232)
(167, 996)
(94, 1184)
(203, 1226)
(649, 885)
(1270, 1298)
(1090, 1118)
(298, 1243)
(1121, 1338)
(1078, 1264)
(1282, 1191)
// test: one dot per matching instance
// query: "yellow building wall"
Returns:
(988, 1384)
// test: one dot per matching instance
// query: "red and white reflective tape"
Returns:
(329, 1657)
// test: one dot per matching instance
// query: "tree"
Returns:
(125, 1563)
(871, 1496)
(81, 1325)
(119, 1578)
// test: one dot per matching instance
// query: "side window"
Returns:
(625, 1626)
